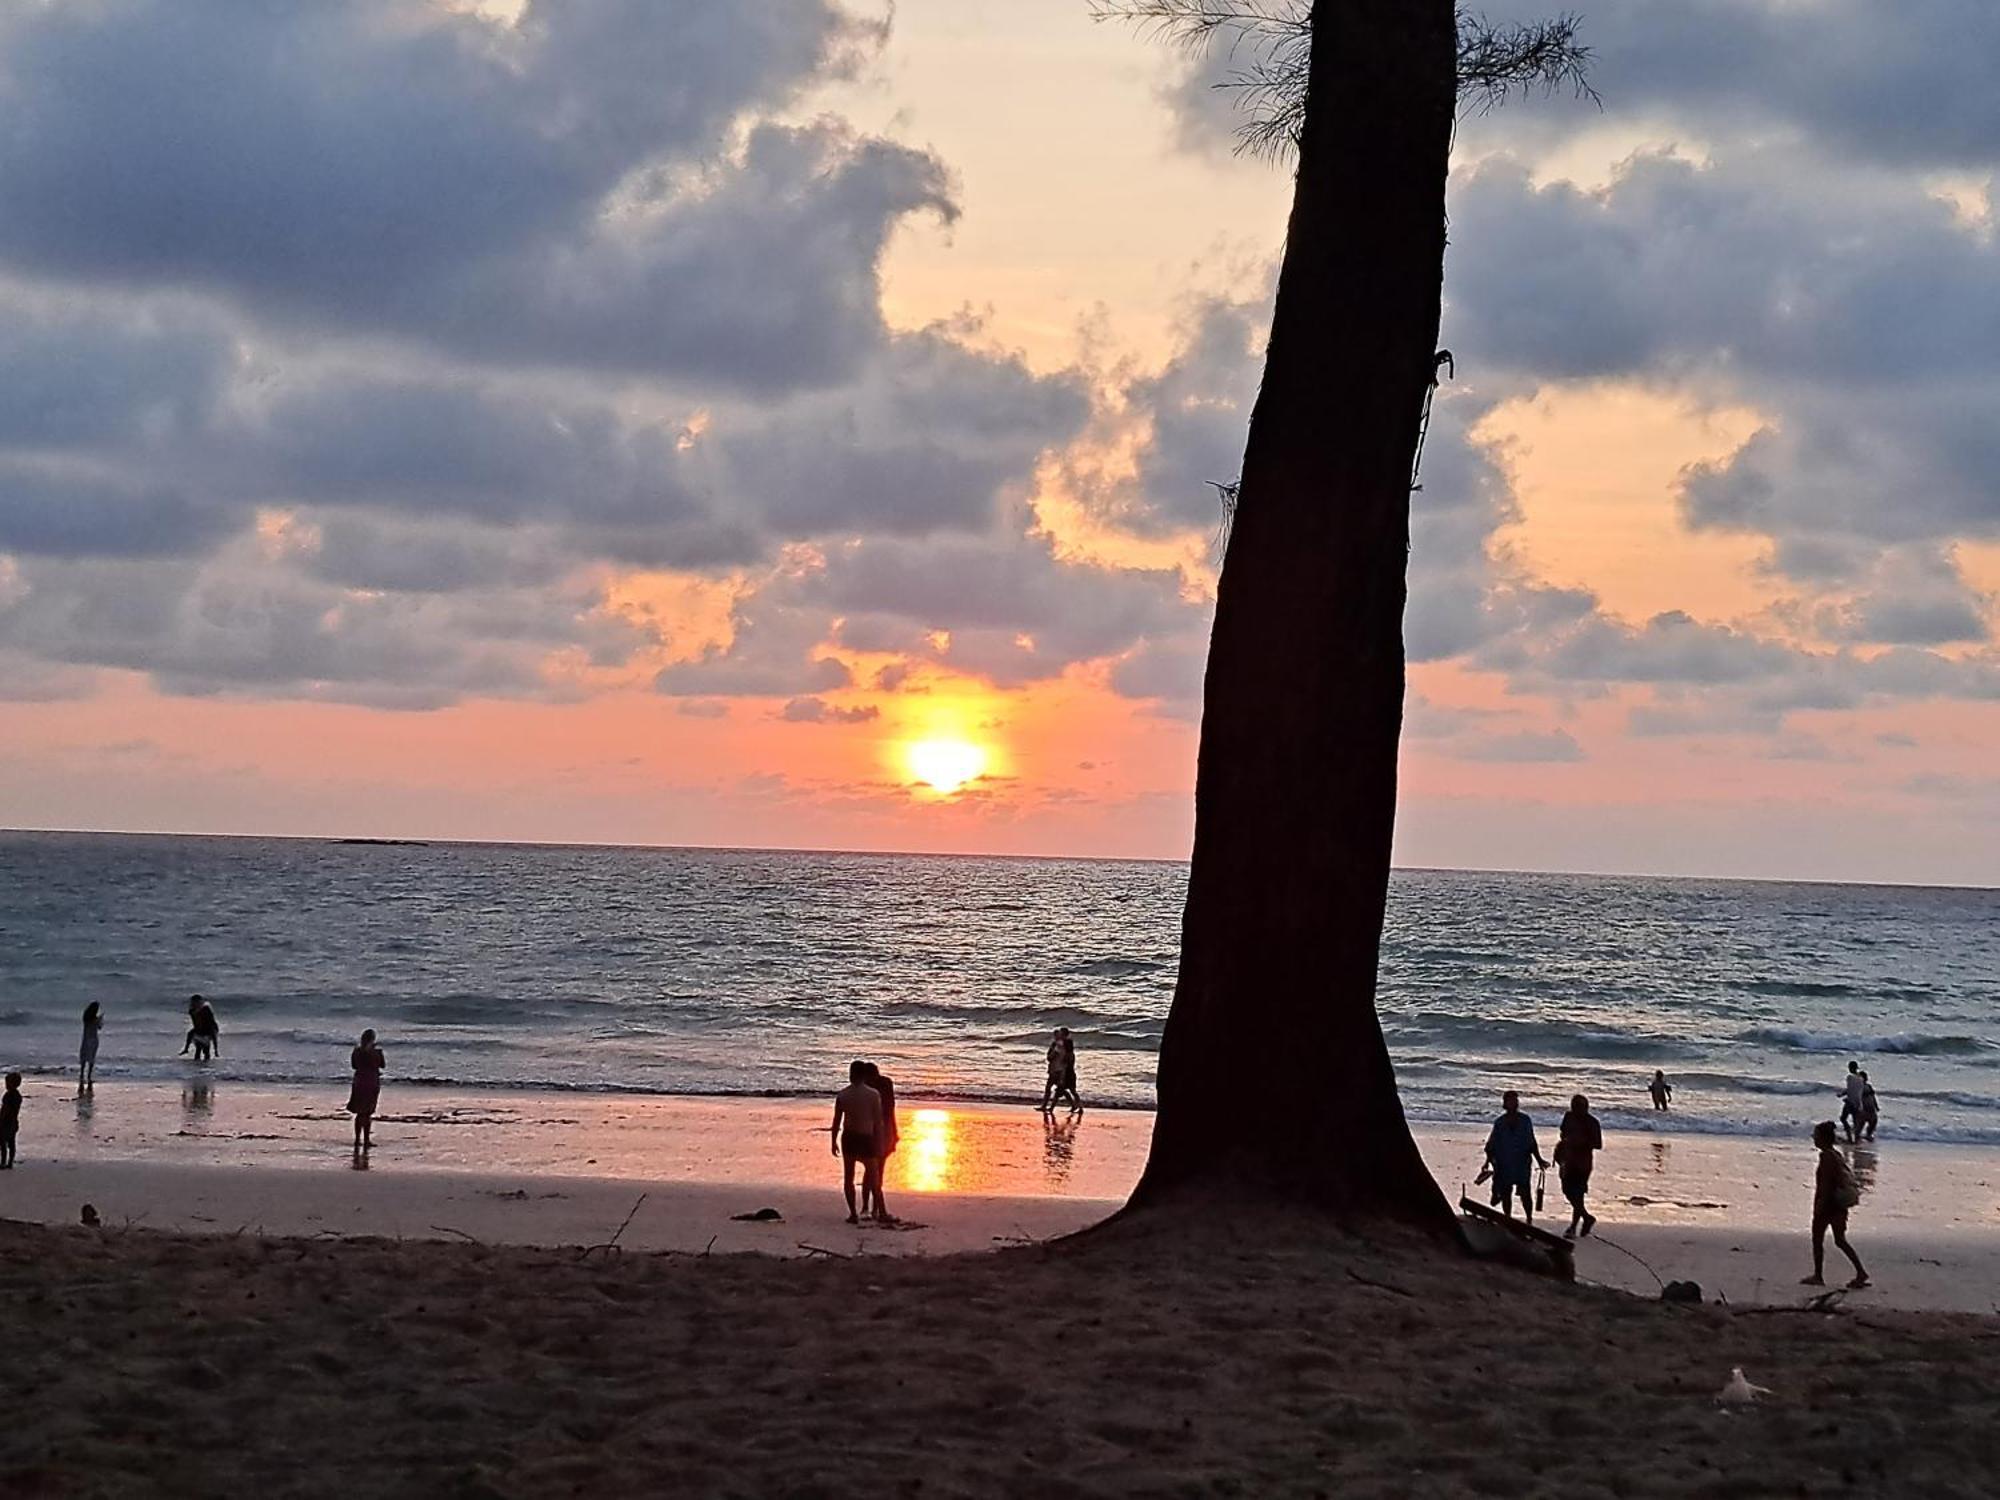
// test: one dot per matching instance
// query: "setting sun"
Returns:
(945, 765)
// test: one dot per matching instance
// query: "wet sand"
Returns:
(550, 1170)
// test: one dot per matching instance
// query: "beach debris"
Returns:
(89, 1216)
(761, 1216)
(612, 1243)
(1738, 1391)
(1380, 1286)
(1681, 1291)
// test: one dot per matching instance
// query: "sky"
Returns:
(688, 422)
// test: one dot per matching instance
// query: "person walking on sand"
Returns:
(1066, 1085)
(857, 1122)
(1055, 1078)
(885, 1141)
(1662, 1091)
(10, 1119)
(1577, 1144)
(1509, 1148)
(1850, 1106)
(204, 1035)
(1834, 1192)
(1871, 1111)
(367, 1062)
(86, 1052)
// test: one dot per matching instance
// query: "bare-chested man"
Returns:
(857, 1123)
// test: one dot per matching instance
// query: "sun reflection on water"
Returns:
(926, 1152)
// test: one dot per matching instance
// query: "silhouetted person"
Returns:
(1850, 1103)
(1510, 1147)
(1577, 1144)
(1834, 1192)
(204, 1035)
(1055, 1078)
(1066, 1083)
(1871, 1111)
(86, 1052)
(857, 1122)
(885, 1140)
(367, 1062)
(1662, 1091)
(10, 1119)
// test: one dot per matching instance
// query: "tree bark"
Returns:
(1273, 1071)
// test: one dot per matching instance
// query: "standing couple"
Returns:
(864, 1132)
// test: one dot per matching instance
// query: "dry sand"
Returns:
(1208, 1352)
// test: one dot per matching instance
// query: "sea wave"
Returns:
(1914, 1043)
(1113, 966)
(1503, 1033)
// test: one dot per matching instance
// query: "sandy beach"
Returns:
(529, 1294)
(1209, 1351)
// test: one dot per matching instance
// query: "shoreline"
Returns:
(563, 1169)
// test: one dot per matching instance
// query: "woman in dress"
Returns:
(367, 1062)
(86, 1053)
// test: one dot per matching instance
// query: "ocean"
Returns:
(682, 971)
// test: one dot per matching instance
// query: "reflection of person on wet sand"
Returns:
(1834, 1192)
(885, 1140)
(367, 1062)
(857, 1121)
(1059, 1144)
(204, 1035)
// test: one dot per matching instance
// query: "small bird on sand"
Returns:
(1739, 1391)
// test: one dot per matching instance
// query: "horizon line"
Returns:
(393, 841)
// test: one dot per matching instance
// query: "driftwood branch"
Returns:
(612, 1243)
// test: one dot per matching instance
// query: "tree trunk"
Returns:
(1273, 1071)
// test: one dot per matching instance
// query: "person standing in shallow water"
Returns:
(1871, 1109)
(1510, 1147)
(367, 1062)
(1662, 1091)
(204, 1035)
(86, 1052)
(1850, 1102)
(857, 1122)
(1577, 1144)
(1834, 1192)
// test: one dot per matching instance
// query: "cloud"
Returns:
(561, 190)
(819, 711)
